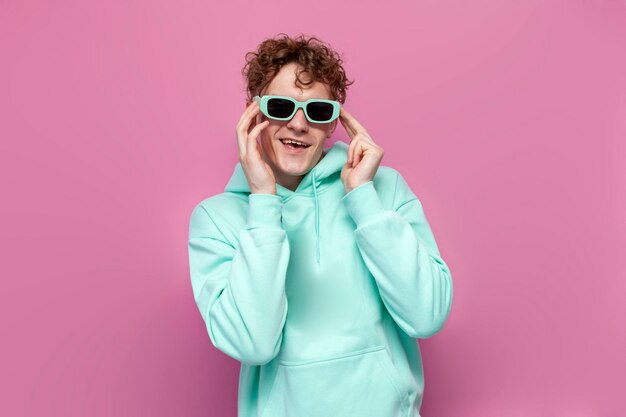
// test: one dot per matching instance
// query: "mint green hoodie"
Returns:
(320, 294)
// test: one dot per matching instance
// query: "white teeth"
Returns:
(293, 141)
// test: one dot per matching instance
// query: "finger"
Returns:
(346, 124)
(366, 138)
(359, 153)
(253, 135)
(244, 127)
(349, 161)
(254, 118)
(354, 124)
(244, 121)
(351, 148)
(252, 107)
(259, 149)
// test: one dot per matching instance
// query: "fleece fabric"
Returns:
(319, 293)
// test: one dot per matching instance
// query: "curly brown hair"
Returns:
(318, 60)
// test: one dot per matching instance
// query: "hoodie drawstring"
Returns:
(317, 220)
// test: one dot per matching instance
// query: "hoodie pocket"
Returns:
(363, 383)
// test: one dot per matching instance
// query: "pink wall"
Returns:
(508, 119)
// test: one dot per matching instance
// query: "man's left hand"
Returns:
(364, 155)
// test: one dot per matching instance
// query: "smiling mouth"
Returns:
(291, 144)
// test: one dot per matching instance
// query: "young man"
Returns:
(316, 267)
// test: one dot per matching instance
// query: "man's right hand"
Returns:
(260, 176)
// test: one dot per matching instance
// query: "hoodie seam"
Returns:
(337, 357)
(407, 202)
(221, 237)
(404, 203)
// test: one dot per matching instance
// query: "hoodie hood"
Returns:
(318, 178)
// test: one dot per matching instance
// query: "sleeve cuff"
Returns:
(264, 210)
(363, 203)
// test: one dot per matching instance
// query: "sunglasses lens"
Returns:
(278, 107)
(320, 111)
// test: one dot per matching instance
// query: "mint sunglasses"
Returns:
(283, 108)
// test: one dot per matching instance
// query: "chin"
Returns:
(294, 168)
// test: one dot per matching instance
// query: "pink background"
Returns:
(507, 118)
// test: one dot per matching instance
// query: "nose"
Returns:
(299, 121)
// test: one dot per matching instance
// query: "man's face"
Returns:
(289, 167)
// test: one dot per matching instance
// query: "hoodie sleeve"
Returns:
(399, 249)
(240, 291)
